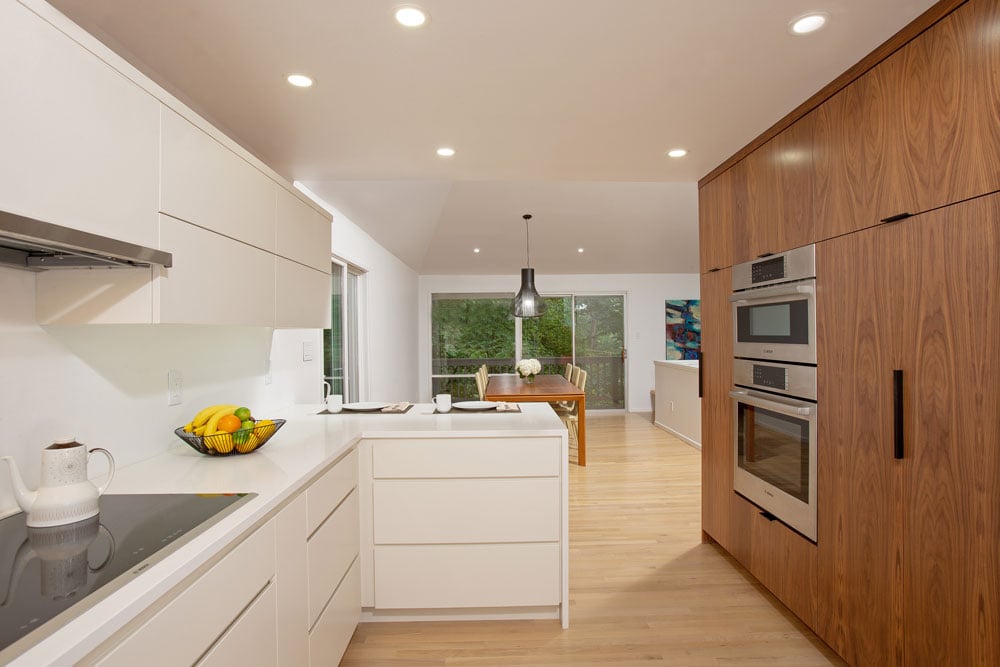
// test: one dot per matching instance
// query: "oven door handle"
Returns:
(758, 400)
(767, 292)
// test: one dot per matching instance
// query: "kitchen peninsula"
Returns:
(413, 516)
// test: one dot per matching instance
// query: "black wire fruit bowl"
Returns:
(243, 441)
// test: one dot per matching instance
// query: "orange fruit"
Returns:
(229, 424)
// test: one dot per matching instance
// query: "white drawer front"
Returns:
(467, 575)
(252, 640)
(202, 612)
(429, 511)
(331, 550)
(333, 486)
(329, 639)
(481, 457)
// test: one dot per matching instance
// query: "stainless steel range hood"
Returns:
(35, 245)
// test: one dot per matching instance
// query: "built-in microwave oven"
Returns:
(774, 307)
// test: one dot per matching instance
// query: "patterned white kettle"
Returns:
(65, 494)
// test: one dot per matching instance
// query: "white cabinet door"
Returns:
(303, 296)
(214, 280)
(471, 457)
(302, 234)
(331, 551)
(292, 577)
(79, 143)
(206, 184)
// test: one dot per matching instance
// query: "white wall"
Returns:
(107, 384)
(389, 312)
(644, 303)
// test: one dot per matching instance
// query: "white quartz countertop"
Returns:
(687, 365)
(305, 446)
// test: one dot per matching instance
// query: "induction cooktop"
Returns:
(50, 575)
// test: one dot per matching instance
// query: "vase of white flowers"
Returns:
(527, 369)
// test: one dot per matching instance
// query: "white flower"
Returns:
(527, 367)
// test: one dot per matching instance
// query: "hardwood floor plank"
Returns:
(643, 586)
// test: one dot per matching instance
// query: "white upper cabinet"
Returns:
(302, 234)
(208, 185)
(79, 141)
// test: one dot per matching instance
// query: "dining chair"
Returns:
(482, 376)
(568, 373)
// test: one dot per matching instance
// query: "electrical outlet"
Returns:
(175, 386)
(307, 350)
(671, 406)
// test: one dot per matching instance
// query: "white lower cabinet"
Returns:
(207, 613)
(473, 524)
(289, 594)
(332, 633)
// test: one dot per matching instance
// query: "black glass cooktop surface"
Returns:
(48, 572)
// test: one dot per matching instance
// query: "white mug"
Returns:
(334, 403)
(443, 402)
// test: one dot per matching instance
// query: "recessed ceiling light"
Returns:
(579, 249)
(808, 23)
(677, 152)
(475, 250)
(410, 16)
(444, 151)
(300, 80)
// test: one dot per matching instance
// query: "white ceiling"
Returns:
(559, 108)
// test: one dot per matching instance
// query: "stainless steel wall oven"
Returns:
(774, 397)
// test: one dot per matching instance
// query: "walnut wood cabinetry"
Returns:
(772, 186)
(716, 368)
(715, 213)
(908, 546)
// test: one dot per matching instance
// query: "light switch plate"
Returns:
(307, 350)
(175, 386)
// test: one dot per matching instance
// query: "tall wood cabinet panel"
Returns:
(943, 140)
(716, 368)
(80, 141)
(909, 545)
(715, 220)
(859, 483)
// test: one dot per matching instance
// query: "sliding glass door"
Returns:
(469, 330)
(340, 341)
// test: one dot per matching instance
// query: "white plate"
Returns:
(474, 405)
(370, 406)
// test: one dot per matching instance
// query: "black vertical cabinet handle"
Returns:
(701, 363)
(897, 413)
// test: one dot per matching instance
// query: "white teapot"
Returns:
(65, 495)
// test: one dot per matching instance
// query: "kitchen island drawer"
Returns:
(429, 511)
(331, 550)
(466, 575)
(459, 457)
(325, 494)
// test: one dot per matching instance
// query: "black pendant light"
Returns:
(528, 302)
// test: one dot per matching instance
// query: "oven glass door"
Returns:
(776, 456)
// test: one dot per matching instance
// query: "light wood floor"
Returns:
(642, 585)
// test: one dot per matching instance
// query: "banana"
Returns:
(200, 430)
(213, 421)
(189, 427)
(203, 416)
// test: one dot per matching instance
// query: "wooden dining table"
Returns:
(544, 389)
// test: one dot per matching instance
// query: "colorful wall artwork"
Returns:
(683, 328)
